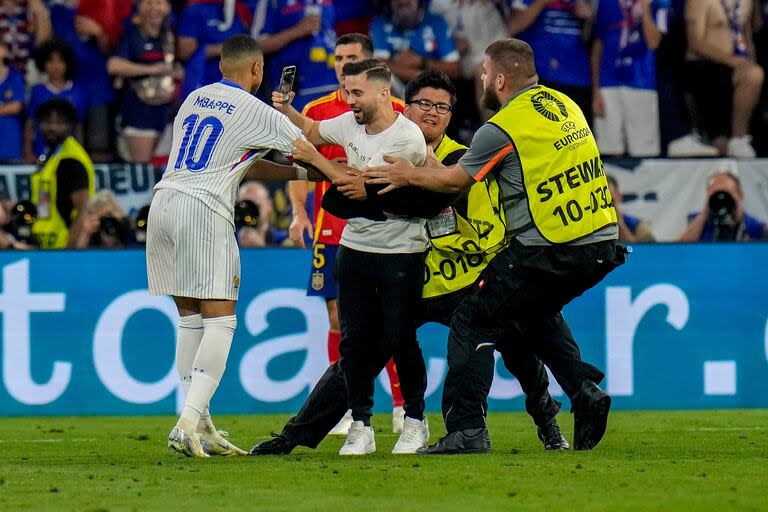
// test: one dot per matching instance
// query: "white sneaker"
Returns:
(214, 443)
(688, 146)
(415, 435)
(184, 442)
(741, 147)
(342, 427)
(360, 440)
(398, 416)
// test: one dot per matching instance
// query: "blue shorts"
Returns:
(322, 279)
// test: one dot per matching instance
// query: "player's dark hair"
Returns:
(57, 106)
(239, 46)
(433, 79)
(374, 69)
(357, 38)
(46, 50)
(513, 57)
(612, 181)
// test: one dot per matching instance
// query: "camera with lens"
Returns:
(140, 224)
(23, 215)
(112, 232)
(722, 215)
(246, 214)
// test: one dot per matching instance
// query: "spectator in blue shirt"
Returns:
(55, 60)
(299, 33)
(557, 30)
(144, 58)
(91, 45)
(11, 105)
(411, 39)
(203, 27)
(625, 102)
(723, 217)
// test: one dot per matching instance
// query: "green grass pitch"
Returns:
(698, 460)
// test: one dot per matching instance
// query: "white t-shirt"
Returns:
(402, 139)
(220, 129)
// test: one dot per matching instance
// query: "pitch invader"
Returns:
(192, 254)
(328, 228)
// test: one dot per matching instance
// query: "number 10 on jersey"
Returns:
(208, 131)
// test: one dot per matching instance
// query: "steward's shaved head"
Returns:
(513, 57)
(239, 52)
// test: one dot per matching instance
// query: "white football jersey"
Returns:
(218, 131)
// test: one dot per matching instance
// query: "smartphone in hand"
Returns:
(286, 81)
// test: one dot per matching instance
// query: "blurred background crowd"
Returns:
(102, 79)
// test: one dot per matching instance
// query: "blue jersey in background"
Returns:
(627, 61)
(312, 55)
(11, 89)
(556, 38)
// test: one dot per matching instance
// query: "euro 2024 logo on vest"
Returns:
(549, 106)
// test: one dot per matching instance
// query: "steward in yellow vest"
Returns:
(561, 226)
(465, 236)
(463, 240)
(62, 186)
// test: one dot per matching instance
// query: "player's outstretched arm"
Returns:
(268, 170)
(306, 152)
(399, 172)
(310, 127)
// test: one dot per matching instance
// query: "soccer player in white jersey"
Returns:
(380, 265)
(192, 255)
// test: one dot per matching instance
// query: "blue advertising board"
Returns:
(678, 327)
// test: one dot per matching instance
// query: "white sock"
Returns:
(187, 342)
(208, 367)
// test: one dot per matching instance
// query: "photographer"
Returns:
(723, 217)
(255, 204)
(105, 224)
(247, 225)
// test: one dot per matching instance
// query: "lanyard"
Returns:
(629, 21)
(733, 13)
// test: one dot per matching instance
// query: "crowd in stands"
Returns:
(673, 78)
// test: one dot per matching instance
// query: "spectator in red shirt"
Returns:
(107, 17)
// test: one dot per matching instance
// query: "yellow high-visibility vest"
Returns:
(462, 246)
(50, 229)
(566, 188)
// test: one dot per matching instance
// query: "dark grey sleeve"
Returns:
(489, 147)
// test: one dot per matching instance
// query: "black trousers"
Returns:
(378, 298)
(517, 355)
(519, 297)
(327, 403)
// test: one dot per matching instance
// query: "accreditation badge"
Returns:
(442, 224)
(318, 281)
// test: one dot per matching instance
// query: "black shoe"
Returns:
(471, 440)
(590, 416)
(553, 439)
(278, 445)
